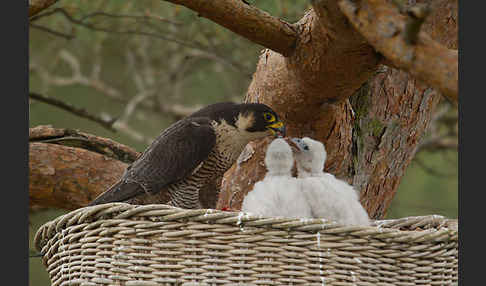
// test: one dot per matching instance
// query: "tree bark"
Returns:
(403, 44)
(75, 138)
(393, 112)
(67, 177)
(329, 86)
(370, 138)
(68, 168)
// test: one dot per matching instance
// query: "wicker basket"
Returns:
(121, 244)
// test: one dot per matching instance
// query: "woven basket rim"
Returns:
(438, 228)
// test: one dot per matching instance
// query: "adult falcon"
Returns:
(192, 153)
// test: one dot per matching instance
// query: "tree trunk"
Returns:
(370, 138)
(330, 86)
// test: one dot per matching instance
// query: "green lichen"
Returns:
(376, 127)
(361, 102)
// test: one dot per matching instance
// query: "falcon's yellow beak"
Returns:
(277, 128)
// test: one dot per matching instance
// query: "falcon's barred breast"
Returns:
(192, 153)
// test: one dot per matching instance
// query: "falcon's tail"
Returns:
(119, 192)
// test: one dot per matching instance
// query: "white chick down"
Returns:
(328, 197)
(278, 194)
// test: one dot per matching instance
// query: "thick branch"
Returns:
(68, 168)
(67, 177)
(385, 29)
(329, 16)
(74, 138)
(250, 22)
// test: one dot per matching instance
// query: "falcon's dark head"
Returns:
(257, 117)
(251, 118)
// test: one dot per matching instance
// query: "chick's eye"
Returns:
(269, 117)
(306, 147)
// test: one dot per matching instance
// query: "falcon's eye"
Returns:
(306, 148)
(269, 117)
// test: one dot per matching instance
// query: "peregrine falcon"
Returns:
(278, 194)
(329, 197)
(192, 153)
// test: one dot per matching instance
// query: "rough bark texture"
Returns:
(75, 138)
(426, 59)
(67, 177)
(329, 86)
(392, 113)
(441, 25)
(309, 90)
(68, 168)
(370, 138)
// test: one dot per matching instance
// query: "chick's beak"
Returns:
(277, 128)
(293, 145)
(297, 144)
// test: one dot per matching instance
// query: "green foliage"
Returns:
(429, 186)
(376, 127)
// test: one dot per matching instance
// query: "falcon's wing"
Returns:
(173, 155)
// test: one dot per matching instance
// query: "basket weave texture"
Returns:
(122, 244)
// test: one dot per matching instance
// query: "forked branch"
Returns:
(389, 33)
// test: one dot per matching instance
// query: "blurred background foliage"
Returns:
(147, 63)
